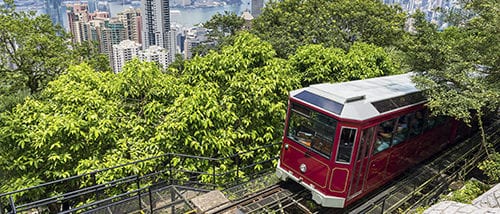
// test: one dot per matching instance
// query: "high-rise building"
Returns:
(54, 9)
(124, 52)
(77, 15)
(155, 54)
(112, 34)
(92, 4)
(131, 19)
(257, 6)
(156, 25)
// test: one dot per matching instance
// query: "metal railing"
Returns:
(171, 176)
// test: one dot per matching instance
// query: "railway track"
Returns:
(420, 185)
(279, 197)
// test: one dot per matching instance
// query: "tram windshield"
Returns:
(311, 129)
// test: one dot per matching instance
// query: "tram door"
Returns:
(358, 179)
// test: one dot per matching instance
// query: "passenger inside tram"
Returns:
(402, 131)
(384, 135)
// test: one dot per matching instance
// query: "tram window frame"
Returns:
(386, 133)
(320, 134)
(346, 147)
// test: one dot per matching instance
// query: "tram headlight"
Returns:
(303, 168)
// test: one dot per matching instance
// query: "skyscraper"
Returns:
(131, 19)
(156, 24)
(54, 9)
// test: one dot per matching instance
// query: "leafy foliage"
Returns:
(491, 167)
(317, 64)
(84, 120)
(222, 25)
(458, 67)
(233, 100)
(471, 190)
(290, 24)
(33, 52)
(221, 31)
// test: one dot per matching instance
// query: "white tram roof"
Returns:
(362, 99)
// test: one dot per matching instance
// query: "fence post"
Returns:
(213, 165)
(12, 205)
(150, 200)
(137, 181)
(94, 182)
(238, 169)
(170, 180)
(172, 198)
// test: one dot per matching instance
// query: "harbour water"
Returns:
(189, 17)
(185, 16)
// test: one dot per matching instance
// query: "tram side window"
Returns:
(417, 123)
(384, 136)
(401, 132)
(346, 143)
(311, 129)
(434, 121)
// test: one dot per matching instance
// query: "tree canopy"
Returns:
(86, 120)
(458, 67)
(317, 64)
(33, 52)
(290, 24)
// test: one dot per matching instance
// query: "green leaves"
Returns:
(230, 100)
(458, 68)
(290, 24)
(317, 64)
(84, 120)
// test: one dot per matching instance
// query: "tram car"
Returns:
(343, 140)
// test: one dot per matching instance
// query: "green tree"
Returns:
(233, 100)
(458, 67)
(32, 49)
(317, 64)
(218, 105)
(89, 53)
(290, 24)
(221, 28)
(426, 48)
(84, 120)
(33, 52)
(222, 25)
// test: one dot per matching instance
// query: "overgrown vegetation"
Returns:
(472, 189)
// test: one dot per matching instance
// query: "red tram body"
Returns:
(344, 140)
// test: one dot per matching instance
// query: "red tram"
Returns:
(344, 140)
